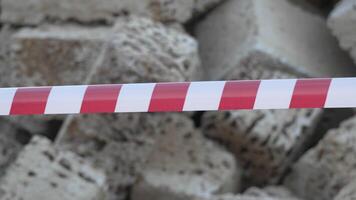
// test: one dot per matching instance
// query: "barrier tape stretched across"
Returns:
(177, 97)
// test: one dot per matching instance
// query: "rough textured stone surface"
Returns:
(324, 170)
(121, 144)
(342, 21)
(265, 142)
(39, 11)
(348, 192)
(277, 192)
(142, 51)
(268, 193)
(185, 165)
(55, 55)
(41, 172)
(241, 34)
(139, 50)
(12, 140)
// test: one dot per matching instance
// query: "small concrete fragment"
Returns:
(324, 170)
(121, 144)
(41, 172)
(342, 22)
(145, 51)
(245, 38)
(265, 142)
(40, 11)
(185, 165)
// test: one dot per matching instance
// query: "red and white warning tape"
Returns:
(168, 97)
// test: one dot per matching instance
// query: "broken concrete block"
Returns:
(145, 51)
(348, 192)
(138, 50)
(121, 144)
(184, 166)
(265, 142)
(342, 21)
(56, 55)
(244, 38)
(324, 170)
(42, 172)
(40, 11)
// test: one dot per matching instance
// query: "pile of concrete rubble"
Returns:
(234, 155)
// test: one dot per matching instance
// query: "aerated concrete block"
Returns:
(246, 38)
(56, 55)
(324, 170)
(121, 144)
(342, 21)
(186, 165)
(42, 172)
(39, 11)
(265, 142)
(145, 51)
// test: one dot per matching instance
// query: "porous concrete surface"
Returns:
(324, 170)
(276, 33)
(56, 55)
(185, 165)
(42, 172)
(12, 140)
(348, 192)
(121, 144)
(342, 21)
(39, 11)
(145, 51)
(268, 193)
(265, 142)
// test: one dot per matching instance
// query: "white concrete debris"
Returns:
(348, 192)
(144, 51)
(243, 37)
(121, 144)
(342, 22)
(38, 11)
(324, 170)
(277, 192)
(265, 142)
(41, 172)
(139, 50)
(185, 166)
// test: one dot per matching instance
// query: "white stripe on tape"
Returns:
(204, 95)
(65, 99)
(6, 98)
(273, 94)
(135, 97)
(342, 93)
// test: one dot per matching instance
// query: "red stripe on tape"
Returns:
(100, 99)
(168, 97)
(30, 101)
(239, 95)
(310, 93)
